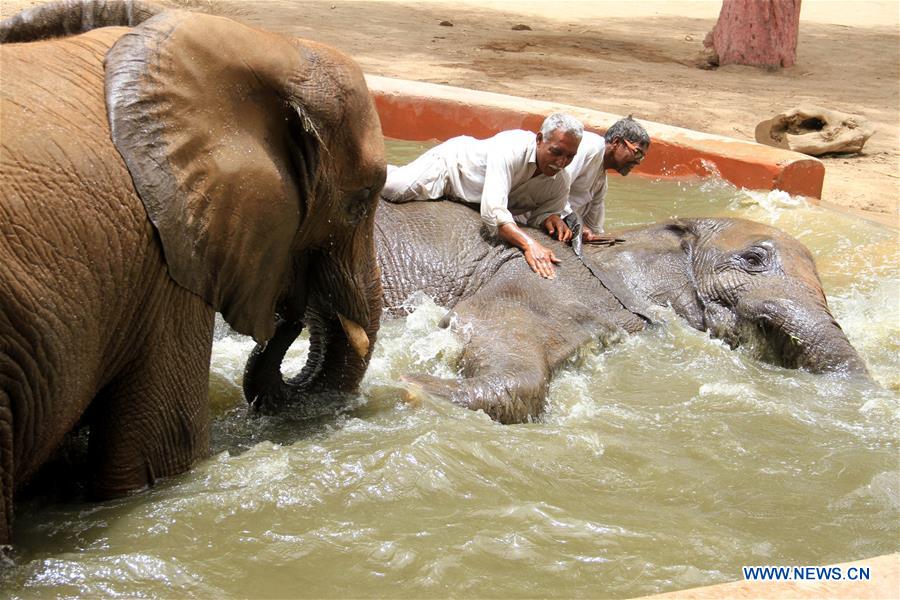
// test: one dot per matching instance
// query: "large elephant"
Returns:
(152, 176)
(740, 280)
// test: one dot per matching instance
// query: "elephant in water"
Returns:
(151, 176)
(742, 281)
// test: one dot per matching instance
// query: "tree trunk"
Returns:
(755, 32)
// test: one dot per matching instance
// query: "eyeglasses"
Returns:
(636, 150)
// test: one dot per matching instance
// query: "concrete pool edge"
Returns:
(416, 111)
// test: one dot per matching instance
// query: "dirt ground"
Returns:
(626, 56)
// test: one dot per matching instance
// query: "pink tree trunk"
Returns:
(756, 32)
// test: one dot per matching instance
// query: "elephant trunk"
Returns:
(804, 335)
(264, 386)
(343, 314)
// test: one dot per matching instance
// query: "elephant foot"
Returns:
(412, 394)
(503, 399)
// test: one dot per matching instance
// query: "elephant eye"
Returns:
(357, 204)
(755, 259)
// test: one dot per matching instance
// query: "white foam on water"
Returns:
(870, 316)
(772, 200)
(414, 344)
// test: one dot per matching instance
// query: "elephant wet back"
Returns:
(438, 248)
(86, 303)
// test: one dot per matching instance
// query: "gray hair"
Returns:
(628, 129)
(565, 123)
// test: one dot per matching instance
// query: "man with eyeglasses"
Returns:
(511, 173)
(621, 148)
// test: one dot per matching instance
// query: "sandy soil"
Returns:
(626, 57)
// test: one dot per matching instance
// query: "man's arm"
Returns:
(498, 176)
(494, 212)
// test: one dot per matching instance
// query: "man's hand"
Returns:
(556, 227)
(589, 237)
(540, 259)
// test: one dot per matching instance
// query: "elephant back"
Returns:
(442, 248)
(67, 128)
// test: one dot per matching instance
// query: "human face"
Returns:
(627, 155)
(636, 150)
(555, 152)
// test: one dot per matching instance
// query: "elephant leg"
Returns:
(152, 421)
(507, 360)
(509, 386)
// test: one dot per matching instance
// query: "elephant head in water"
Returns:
(153, 175)
(742, 281)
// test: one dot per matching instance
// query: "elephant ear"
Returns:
(684, 231)
(220, 158)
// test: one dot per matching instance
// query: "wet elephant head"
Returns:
(744, 282)
(259, 159)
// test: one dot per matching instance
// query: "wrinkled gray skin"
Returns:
(740, 280)
(145, 175)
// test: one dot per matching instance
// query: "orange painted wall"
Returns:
(412, 110)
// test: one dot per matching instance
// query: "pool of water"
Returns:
(666, 461)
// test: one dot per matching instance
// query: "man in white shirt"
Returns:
(511, 173)
(621, 148)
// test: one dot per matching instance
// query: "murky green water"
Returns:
(664, 462)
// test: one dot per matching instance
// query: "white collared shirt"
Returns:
(587, 192)
(498, 174)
